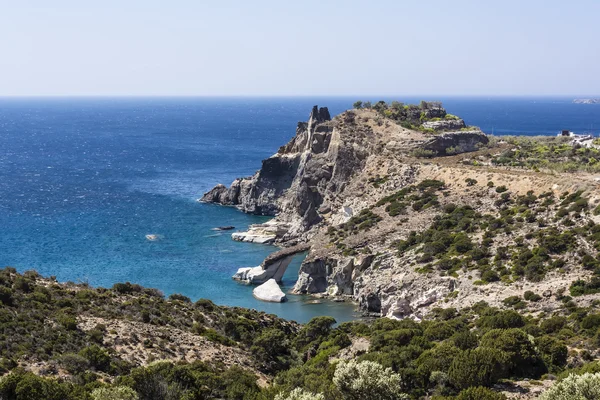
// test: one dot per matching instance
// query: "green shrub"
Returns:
(465, 340)
(591, 322)
(479, 367)
(438, 331)
(581, 287)
(114, 393)
(97, 357)
(367, 380)
(74, 363)
(531, 296)
(479, 393)
(501, 320)
(514, 301)
(575, 387)
(554, 352)
(522, 357)
(553, 324)
(180, 297)
(6, 296)
(300, 394)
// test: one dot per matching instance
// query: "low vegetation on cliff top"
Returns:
(473, 353)
(410, 116)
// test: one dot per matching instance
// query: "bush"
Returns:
(480, 367)
(479, 393)
(465, 340)
(300, 394)
(180, 297)
(553, 324)
(205, 304)
(74, 363)
(523, 359)
(514, 301)
(438, 331)
(575, 387)
(591, 322)
(32, 387)
(502, 320)
(530, 296)
(367, 380)
(114, 393)
(439, 358)
(6, 296)
(97, 357)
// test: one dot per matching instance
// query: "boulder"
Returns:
(269, 291)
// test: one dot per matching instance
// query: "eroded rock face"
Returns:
(445, 125)
(456, 142)
(294, 182)
(332, 275)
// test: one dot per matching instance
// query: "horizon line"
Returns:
(266, 96)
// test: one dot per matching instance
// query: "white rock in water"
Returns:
(252, 238)
(269, 291)
(248, 273)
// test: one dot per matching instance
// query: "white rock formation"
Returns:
(273, 267)
(261, 233)
(269, 291)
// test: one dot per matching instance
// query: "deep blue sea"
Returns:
(83, 180)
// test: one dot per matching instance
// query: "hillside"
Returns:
(66, 341)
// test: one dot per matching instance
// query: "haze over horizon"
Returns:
(269, 48)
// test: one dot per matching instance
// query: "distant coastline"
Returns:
(587, 101)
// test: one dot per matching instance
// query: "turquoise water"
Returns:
(82, 181)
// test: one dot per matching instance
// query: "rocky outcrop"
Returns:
(294, 182)
(324, 177)
(269, 291)
(261, 233)
(445, 125)
(332, 275)
(273, 267)
(456, 142)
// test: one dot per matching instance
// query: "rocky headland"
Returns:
(367, 189)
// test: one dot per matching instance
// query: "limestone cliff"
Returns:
(296, 182)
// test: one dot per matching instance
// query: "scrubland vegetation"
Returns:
(455, 354)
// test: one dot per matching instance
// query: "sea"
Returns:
(84, 180)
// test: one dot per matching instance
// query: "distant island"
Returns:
(587, 101)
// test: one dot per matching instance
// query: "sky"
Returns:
(299, 48)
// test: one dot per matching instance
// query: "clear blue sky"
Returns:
(227, 47)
